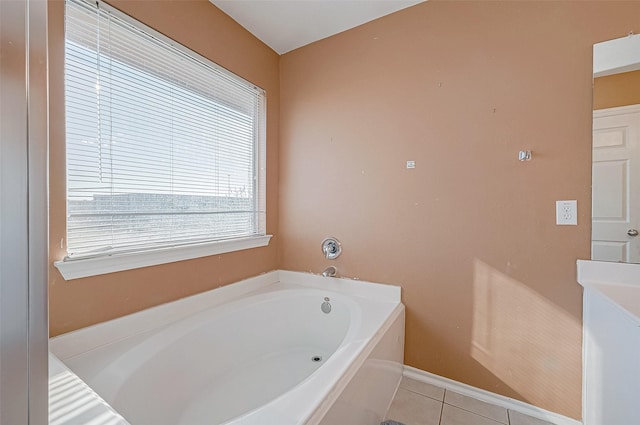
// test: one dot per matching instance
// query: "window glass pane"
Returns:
(163, 147)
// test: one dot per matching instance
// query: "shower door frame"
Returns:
(23, 212)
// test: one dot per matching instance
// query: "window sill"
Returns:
(76, 269)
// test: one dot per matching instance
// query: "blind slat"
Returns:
(164, 147)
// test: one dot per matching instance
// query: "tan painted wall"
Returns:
(205, 29)
(460, 87)
(616, 90)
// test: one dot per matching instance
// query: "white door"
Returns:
(616, 184)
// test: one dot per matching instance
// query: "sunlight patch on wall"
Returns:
(523, 338)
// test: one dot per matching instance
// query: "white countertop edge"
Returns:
(618, 282)
(608, 272)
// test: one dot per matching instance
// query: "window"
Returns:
(164, 148)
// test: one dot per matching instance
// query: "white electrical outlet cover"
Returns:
(567, 213)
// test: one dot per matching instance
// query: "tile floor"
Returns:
(417, 403)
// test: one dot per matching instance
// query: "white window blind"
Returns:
(164, 148)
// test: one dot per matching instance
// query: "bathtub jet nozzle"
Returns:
(326, 306)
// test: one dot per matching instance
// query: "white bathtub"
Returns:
(257, 352)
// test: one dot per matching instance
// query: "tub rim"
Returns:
(99, 334)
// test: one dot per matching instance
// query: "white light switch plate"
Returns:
(567, 213)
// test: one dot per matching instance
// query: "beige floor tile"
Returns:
(452, 415)
(422, 388)
(516, 418)
(414, 409)
(473, 405)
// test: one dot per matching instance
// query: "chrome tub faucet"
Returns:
(330, 271)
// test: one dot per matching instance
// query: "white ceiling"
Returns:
(285, 25)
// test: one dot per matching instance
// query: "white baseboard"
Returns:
(489, 397)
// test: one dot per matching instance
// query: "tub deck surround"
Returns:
(72, 402)
(243, 353)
